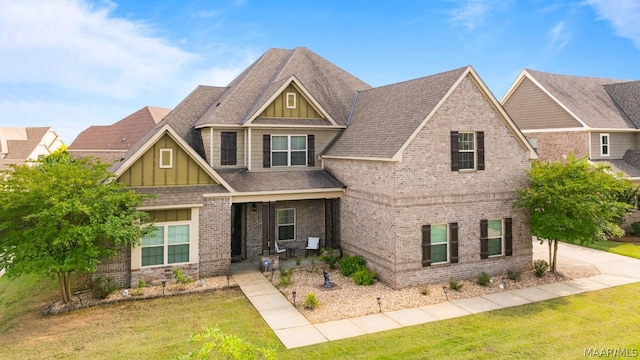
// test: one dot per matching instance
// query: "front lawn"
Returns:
(561, 329)
(630, 249)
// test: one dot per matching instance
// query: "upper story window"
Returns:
(604, 145)
(467, 150)
(288, 150)
(291, 101)
(166, 158)
(533, 141)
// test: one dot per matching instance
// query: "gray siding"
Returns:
(531, 108)
(211, 141)
(619, 143)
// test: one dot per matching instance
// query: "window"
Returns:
(288, 150)
(168, 244)
(286, 224)
(534, 142)
(291, 100)
(604, 145)
(467, 150)
(439, 244)
(166, 158)
(494, 237)
(228, 148)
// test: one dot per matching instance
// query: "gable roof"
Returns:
(20, 144)
(627, 96)
(386, 119)
(121, 135)
(585, 98)
(330, 88)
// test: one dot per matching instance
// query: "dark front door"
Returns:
(236, 230)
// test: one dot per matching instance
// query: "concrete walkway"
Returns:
(294, 330)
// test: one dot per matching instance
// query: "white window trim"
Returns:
(475, 160)
(294, 224)
(136, 253)
(163, 153)
(603, 145)
(501, 237)
(447, 243)
(291, 100)
(288, 151)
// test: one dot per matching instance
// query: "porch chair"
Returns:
(313, 243)
(281, 250)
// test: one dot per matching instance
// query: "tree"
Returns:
(575, 201)
(59, 216)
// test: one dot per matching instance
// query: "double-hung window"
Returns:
(286, 224)
(496, 238)
(288, 150)
(168, 244)
(467, 150)
(604, 145)
(439, 244)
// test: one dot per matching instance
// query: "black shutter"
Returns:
(266, 150)
(484, 239)
(426, 245)
(508, 237)
(453, 243)
(228, 148)
(455, 151)
(311, 151)
(480, 149)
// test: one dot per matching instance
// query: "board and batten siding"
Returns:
(299, 107)
(619, 143)
(146, 171)
(530, 108)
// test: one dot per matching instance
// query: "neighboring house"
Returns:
(417, 177)
(593, 117)
(19, 145)
(109, 143)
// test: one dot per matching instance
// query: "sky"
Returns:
(70, 64)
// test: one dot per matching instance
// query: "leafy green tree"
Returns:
(59, 216)
(575, 201)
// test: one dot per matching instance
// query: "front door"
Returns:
(236, 230)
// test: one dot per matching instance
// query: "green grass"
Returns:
(561, 328)
(620, 248)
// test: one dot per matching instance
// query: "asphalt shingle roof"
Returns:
(244, 181)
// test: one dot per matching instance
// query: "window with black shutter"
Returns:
(508, 237)
(436, 246)
(467, 150)
(228, 148)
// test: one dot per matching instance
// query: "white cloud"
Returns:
(472, 13)
(624, 16)
(558, 37)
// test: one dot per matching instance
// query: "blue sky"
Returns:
(70, 64)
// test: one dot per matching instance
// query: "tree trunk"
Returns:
(64, 284)
(555, 257)
(550, 252)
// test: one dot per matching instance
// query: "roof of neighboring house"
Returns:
(121, 135)
(245, 181)
(19, 144)
(384, 118)
(333, 88)
(586, 98)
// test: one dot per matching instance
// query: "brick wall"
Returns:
(118, 269)
(215, 237)
(386, 204)
(156, 275)
(555, 145)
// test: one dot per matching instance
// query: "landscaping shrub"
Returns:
(483, 279)
(351, 264)
(311, 302)
(101, 287)
(181, 278)
(328, 257)
(636, 228)
(285, 276)
(514, 274)
(364, 276)
(455, 284)
(540, 267)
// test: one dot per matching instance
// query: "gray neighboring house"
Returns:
(594, 117)
(416, 177)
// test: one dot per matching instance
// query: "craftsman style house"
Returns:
(417, 177)
(593, 117)
(18, 146)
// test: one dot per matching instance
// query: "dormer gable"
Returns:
(291, 104)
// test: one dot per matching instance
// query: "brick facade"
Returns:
(386, 203)
(118, 269)
(554, 146)
(215, 237)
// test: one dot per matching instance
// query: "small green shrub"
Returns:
(285, 277)
(217, 345)
(424, 291)
(364, 276)
(311, 302)
(483, 279)
(101, 287)
(142, 284)
(328, 257)
(351, 264)
(636, 228)
(455, 284)
(298, 262)
(514, 274)
(181, 278)
(540, 267)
